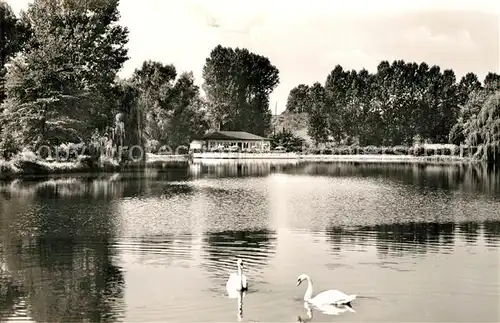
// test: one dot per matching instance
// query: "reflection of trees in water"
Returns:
(60, 256)
(64, 188)
(223, 248)
(234, 170)
(412, 238)
(145, 182)
(341, 238)
(148, 181)
(9, 295)
(492, 232)
(165, 249)
(9, 289)
(396, 239)
(152, 180)
(467, 177)
(418, 238)
(227, 169)
(469, 230)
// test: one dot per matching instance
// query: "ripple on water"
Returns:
(411, 237)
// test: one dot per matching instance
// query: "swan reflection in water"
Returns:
(325, 309)
(239, 295)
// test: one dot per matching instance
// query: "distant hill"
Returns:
(295, 122)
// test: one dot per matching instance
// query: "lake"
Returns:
(414, 243)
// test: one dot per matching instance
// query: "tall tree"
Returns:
(13, 34)
(238, 83)
(188, 118)
(492, 81)
(58, 90)
(154, 82)
(468, 84)
(298, 100)
(336, 86)
(173, 110)
(318, 122)
(482, 130)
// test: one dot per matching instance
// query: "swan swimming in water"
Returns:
(237, 281)
(329, 297)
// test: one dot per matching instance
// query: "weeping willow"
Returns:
(483, 130)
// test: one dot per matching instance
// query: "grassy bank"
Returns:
(29, 164)
(26, 164)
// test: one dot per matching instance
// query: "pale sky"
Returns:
(305, 39)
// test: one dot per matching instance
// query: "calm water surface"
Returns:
(416, 244)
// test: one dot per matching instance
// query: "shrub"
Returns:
(387, 151)
(430, 152)
(181, 150)
(8, 147)
(343, 151)
(372, 150)
(401, 150)
(418, 151)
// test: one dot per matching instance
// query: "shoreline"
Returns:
(40, 168)
(35, 168)
(361, 158)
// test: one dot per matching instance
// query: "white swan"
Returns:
(237, 281)
(329, 297)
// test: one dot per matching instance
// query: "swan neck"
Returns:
(240, 274)
(309, 289)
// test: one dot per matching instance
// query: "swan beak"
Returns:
(298, 282)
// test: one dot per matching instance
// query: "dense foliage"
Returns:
(62, 87)
(173, 111)
(58, 84)
(238, 84)
(286, 139)
(57, 89)
(401, 104)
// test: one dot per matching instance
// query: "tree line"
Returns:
(402, 103)
(59, 83)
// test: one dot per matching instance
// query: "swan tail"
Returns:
(350, 299)
(347, 301)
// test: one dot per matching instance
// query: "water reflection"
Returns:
(472, 178)
(491, 231)
(332, 310)
(224, 248)
(66, 242)
(465, 177)
(58, 262)
(405, 239)
(240, 305)
(239, 168)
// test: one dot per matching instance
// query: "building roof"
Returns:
(232, 135)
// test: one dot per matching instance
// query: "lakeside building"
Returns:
(234, 141)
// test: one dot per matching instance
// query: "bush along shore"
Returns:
(27, 163)
(415, 151)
